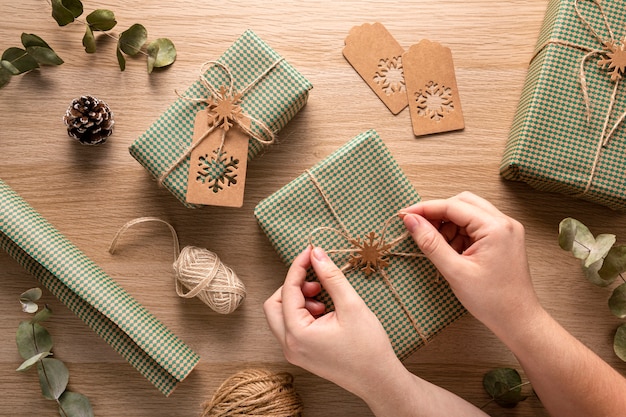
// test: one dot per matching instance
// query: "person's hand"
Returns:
(347, 346)
(481, 253)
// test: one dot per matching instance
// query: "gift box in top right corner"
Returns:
(569, 132)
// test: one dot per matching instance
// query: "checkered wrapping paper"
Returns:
(93, 296)
(366, 187)
(551, 146)
(274, 100)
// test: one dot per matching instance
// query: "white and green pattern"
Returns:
(93, 296)
(274, 100)
(365, 186)
(551, 146)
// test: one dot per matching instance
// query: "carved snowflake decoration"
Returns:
(390, 75)
(224, 110)
(217, 171)
(434, 101)
(615, 61)
(370, 255)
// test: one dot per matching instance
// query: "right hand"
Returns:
(481, 253)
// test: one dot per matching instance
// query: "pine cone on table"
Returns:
(89, 120)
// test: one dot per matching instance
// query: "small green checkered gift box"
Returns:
(552, 145)
(274, 100)
(351, 200)
(94, 297)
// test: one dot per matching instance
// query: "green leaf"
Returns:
(575, 237)
(132, 39)
(74, 6)
(89, 41)
(600, 248)
(567, 233)
(44, 56)
(53, 377)
(617, 302)
(505, 386)
(61, 14)
(120, 59)
(42, 315)
(591, 272)
(614, 263)
(101, 20)
(32, 360)
(17, 61)
(619, 342)
(5, 76)
(30, 39)
(28, 298)
(161, 53)
(74, 404)
(31, 339)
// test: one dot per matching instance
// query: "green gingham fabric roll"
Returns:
(93, 296)
(551, 146)
(365, 186)
(274, 100)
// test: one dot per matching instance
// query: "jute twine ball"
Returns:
(255, 392)
(202, 273)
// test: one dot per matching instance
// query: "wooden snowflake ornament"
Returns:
(615, 61)
(224, 110)
(370, 255)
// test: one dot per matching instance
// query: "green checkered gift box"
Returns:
(568, 134)
(274, 92)
(348, 204)
(94, 297)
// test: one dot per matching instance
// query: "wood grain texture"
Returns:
(88, 193)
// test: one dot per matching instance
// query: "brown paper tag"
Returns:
(377, 57)
(217, 178)
(434, 103)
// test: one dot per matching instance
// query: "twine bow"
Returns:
(371, 254)
(612, 58)
(223, 107)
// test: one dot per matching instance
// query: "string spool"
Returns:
(255, 392)
(199, 273)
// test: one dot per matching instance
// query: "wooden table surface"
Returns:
(89, 192)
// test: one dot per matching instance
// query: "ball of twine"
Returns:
(204, 275)
(255, 392)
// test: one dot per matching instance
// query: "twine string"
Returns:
(266, 137)
(354, 249)
(605, 137)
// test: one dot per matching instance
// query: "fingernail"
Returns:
(319, 254)
(411, 222)
(402, 214)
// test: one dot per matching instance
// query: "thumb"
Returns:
(431, 243)
(332, 279)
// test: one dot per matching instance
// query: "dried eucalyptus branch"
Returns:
(34, 344)
(504, 385)
(603, 263)
(16, 61)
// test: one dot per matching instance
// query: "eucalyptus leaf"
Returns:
(101, 20)
(43, 55)
(53, 377)
(614, 263)
(504, 385)
(31, 339)
(33, 294)
(17, 61)
(567, 233)
(120, 59)
(617, 301)
(89, 41)
(32, 360)
(74, 404)
(74, 6)
(575, 237)
(132, 39)
(5, 76)
(591, 272)
(30, 39)
(600, 248)
(161, 53)
(42, 315)
(619, 342)
(61, 14)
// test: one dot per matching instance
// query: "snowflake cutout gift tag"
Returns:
(375, 54)
(434, 103)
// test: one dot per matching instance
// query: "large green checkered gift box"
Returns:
(552, 146)
(337, 204)
(274, 100)
(93, 296)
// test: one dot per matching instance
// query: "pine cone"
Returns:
(89, 120)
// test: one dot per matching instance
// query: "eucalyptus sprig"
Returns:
(603, 262)
(504, 385)
(160, 52)
(34, 344)
(16, 61)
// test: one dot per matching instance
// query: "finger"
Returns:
(480, 202)
(273, 310)
(332, 279)
(311, 289)
(463, 214)
(316, 308)
(293, 300)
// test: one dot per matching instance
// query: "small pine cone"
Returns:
(89, 120)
